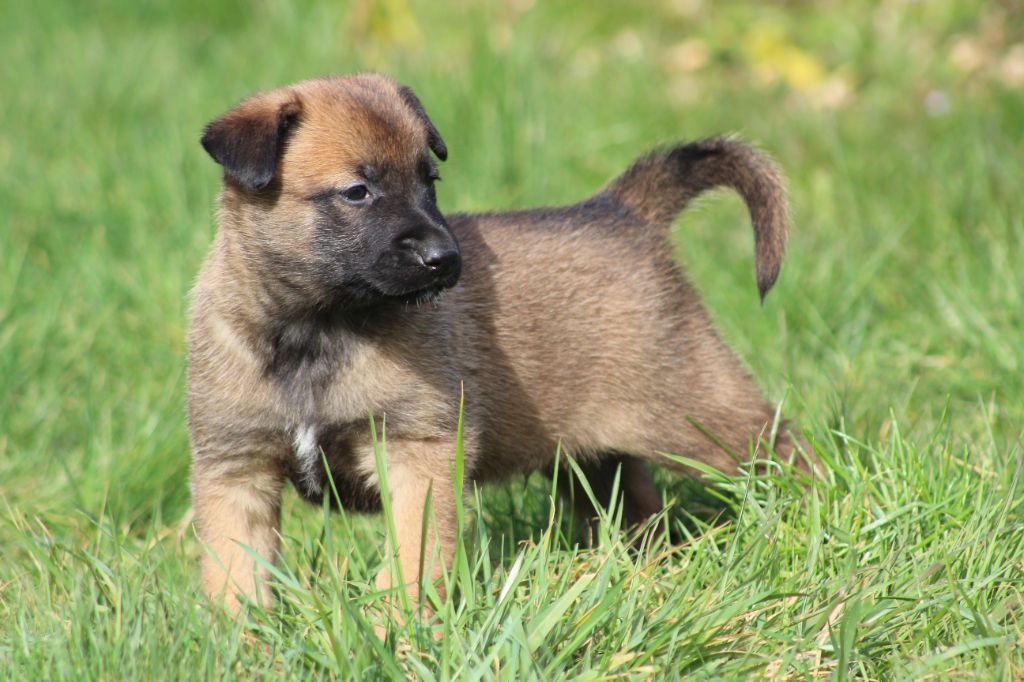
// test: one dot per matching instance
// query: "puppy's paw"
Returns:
(394, 608)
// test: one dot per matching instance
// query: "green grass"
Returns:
(894, 338)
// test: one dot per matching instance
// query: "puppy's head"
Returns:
(330, 186)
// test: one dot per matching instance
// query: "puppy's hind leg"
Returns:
(724, 436)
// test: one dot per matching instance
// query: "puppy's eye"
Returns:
(356, 194)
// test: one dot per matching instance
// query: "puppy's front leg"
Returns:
(237, 504)
(421, 486)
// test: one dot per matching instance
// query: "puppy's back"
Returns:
(593, 337)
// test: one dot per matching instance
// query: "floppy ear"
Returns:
(249, 139)
(434, 140)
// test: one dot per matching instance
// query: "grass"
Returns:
(893, 337)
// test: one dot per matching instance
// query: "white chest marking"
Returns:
(308, 455)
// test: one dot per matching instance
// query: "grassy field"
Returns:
(894, 338)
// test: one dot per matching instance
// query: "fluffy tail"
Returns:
(660, 185)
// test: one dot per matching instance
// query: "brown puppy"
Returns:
(336, 289)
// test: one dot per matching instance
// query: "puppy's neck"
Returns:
(290, 333)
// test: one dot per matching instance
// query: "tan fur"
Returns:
(569, 327)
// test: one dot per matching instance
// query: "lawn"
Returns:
(895, 339)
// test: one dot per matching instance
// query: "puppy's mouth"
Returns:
(391, 283)
(408, 276)
(425, 294)
(420, 297)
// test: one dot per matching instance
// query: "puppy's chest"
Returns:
(327, 461)
(326, 376)
(327, 395)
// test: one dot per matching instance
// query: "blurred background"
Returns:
(899, 124)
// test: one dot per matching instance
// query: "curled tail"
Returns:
(660, 185)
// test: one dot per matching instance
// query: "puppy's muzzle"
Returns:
(429, 258)
(442, 260)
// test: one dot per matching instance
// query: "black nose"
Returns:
(442, 261)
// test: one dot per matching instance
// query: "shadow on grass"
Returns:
(519, 512)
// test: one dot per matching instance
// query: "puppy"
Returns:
(337, 300)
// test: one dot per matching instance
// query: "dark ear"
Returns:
(249, 139)
(434, 140)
